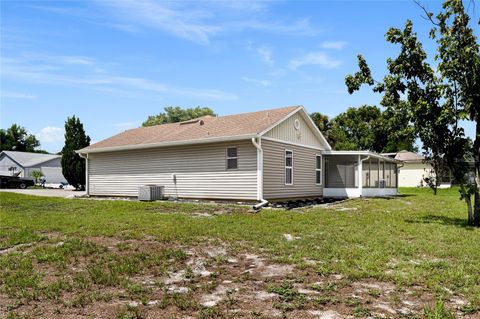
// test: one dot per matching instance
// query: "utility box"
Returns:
(151, 192)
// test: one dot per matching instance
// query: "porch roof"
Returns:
(363, 153)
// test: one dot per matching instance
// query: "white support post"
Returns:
(87, 182)
(360, 175)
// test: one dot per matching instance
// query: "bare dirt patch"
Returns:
(107, 277)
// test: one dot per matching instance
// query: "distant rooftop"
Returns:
(405, 156)
(27, 159)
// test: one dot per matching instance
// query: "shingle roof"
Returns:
(206, 127)
(27, 159)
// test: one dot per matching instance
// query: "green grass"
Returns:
(417, 239)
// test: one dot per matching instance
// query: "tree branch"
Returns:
(429, 14)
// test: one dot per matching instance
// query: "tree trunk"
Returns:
(468, 201)
(476, 155)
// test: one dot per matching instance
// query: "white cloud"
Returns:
(50, 134)
(266, 55)
(17, 95)
(256, 81)
(48, 72)
(337, 45)
(315, 58)
(199, 21)
(301, 27)
(182, 22)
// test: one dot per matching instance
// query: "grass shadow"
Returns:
(442, 220)
(406, 195)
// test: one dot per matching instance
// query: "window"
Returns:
(232, 158)
(318, 169)
(288, 167)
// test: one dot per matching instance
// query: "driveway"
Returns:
(46, 192)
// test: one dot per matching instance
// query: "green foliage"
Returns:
(324, 124)
(459, 66)
(73, 166)
(433, 100)
(177, 114)
(366, 128)
(16, 138)
(290, 298)
(438, 311)
(37, 174)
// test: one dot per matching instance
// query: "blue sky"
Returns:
(113, 63)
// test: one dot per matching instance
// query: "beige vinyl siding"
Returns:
(303, 171)
(200, 171)
(286, 131)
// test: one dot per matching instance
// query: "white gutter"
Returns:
(258, 146)
(366, 158)
(365, 153)
(87, 188)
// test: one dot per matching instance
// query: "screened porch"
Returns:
(378, 174)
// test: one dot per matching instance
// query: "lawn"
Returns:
(412, 256)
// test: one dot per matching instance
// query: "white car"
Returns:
(59, 185)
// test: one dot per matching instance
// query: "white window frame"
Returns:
(229, 157)
(290, 167)
(319, 169)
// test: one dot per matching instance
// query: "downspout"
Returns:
(258, 146)
(87, 186)
(360, 173)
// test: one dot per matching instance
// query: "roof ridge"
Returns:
(216, 117)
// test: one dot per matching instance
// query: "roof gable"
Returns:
(28, 159)
(298, 128)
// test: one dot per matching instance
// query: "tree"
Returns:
(459, 66)
(177, 114)
(365, 128)
(412, 86)
(434, 101)
(325, 126)
(73, 166)
(36, 174)
(16, 138)
(361, 128)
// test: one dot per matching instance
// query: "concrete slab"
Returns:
(46, 192)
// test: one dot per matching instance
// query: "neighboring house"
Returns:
(23, 163)
(414, 170)
(273, 155)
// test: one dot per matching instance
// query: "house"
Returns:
(415, 169)
(273, 154)
(23, 163)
